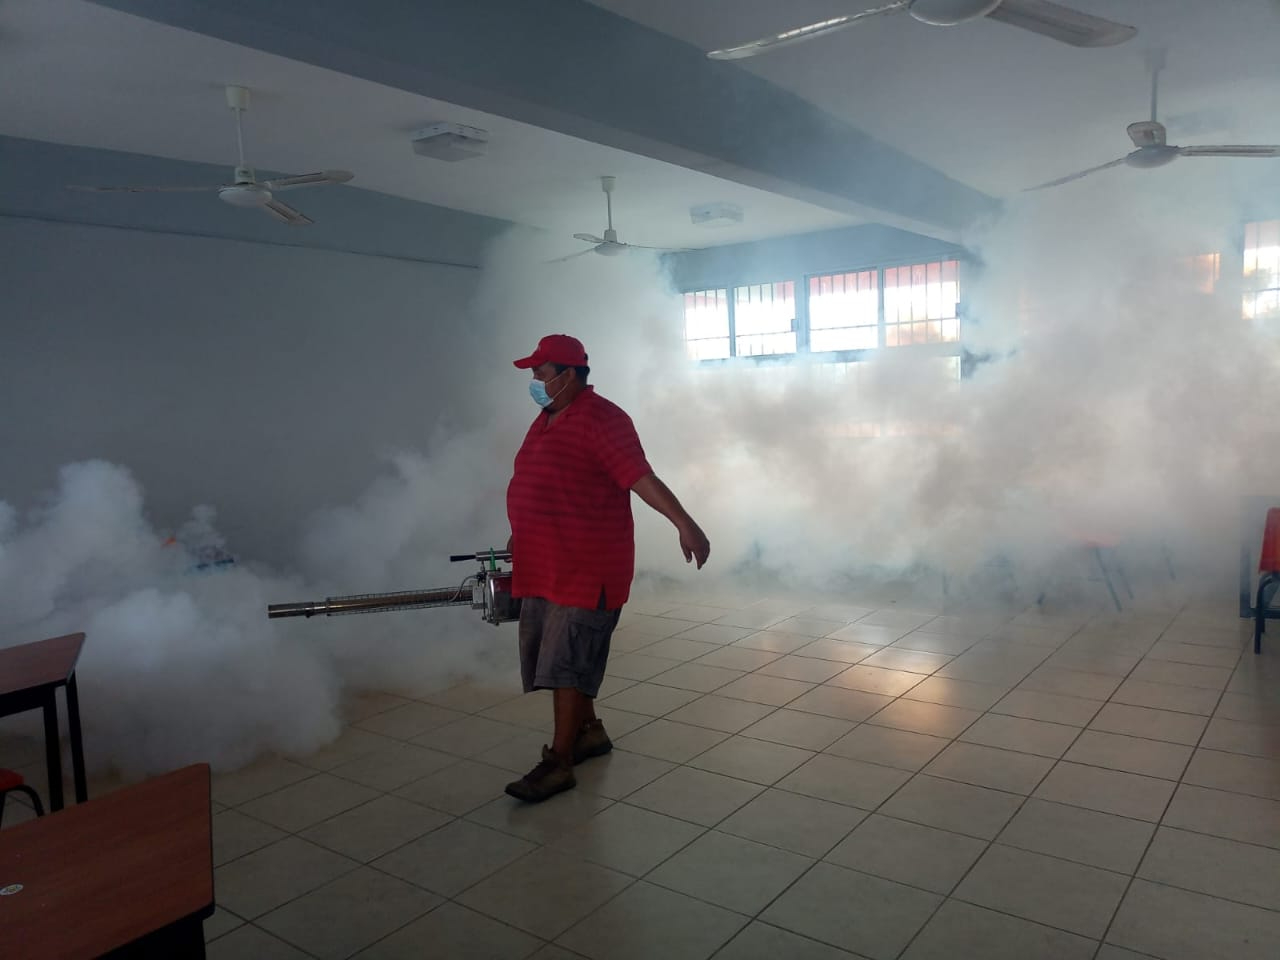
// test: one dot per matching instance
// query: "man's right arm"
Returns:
(693, 542)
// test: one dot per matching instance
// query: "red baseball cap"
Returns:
(558, 348)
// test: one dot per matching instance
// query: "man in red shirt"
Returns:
(573, 549)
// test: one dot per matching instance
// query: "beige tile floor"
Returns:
(791, 780)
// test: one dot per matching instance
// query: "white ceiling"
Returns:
(1000, 108)
(76, 73)
(992, 106)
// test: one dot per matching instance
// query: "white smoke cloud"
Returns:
(181, 662)
(1120, 403)
(180, 665)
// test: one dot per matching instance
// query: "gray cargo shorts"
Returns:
(564, 646)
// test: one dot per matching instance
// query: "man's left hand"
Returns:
(695, 544)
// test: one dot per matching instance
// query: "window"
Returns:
(844, 311)
(839, 316)
(1205, 271)
(706, 324)
(921, 304)
(1262, 271)
(764, 319)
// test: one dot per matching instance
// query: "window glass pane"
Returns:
(844, 311)
(922, 303)
(764, 319)
(1262, 273)
(706, 324)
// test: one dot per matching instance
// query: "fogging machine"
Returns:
(489, 591)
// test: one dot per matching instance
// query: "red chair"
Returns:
(1268, 574)
(12, 780)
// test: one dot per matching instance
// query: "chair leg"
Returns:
(1246, 579)
(35, 799)
(1119, 569)
(1106, 576)
(1260, 610)
(1259, 619)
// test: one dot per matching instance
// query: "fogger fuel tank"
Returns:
(488, 591)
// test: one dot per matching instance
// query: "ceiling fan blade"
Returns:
(589, 237)
(573, 256)
(641, 246)
(320, 178)
(1062, 23)
(1075, 176)
(799, 34)
(286, 214)
(1230, 151)
(76, 186)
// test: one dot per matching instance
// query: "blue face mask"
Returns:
(538, 390)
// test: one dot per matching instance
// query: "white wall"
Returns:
(264, 379)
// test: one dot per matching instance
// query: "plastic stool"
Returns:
(12, 780)
(1268, 574)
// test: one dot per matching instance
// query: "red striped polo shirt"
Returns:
(569, 503)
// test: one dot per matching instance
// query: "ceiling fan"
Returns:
(1039, 16)
(1149, 137)
(608, 245)
(245, 190)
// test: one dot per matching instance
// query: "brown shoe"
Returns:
(553, 775)
(592, 742)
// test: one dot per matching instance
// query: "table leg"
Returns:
(192, 939)
(53, 751)
(77, 743)
(183, 938)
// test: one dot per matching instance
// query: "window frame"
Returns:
(850, 355)
(949, 347)
(733, 320)
(728, 295)
(1250, 292)
(803, 330)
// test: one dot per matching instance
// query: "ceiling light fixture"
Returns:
(449, 141)
(715, 214)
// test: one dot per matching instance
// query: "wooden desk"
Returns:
(30, 675)
(127, 875)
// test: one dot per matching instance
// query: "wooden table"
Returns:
(127, 875)
(30, 675)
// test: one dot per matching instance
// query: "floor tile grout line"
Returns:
(1154, 833)
(1210, 896)
(369, 864)
(993, 840)
(1181, 782)
(793, 933)
(768, 786)
(633, 879)
(711, 827)
(773, 785)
